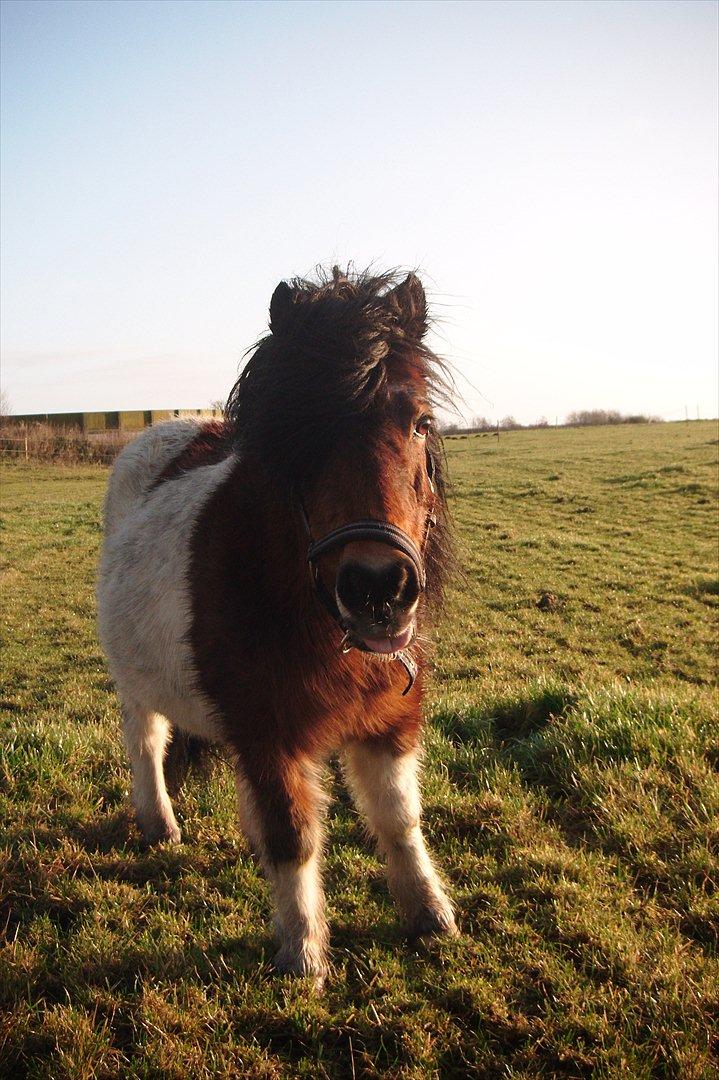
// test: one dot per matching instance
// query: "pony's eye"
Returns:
(423, 427)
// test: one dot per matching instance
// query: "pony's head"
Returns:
(336, 406)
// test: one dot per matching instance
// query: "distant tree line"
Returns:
(589, 417)
(579, 418)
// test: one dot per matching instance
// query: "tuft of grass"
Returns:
(571, 799)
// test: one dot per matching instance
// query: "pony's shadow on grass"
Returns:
(130, 964)
(506, 719)
(116, 851)
(113, 853)
(102, 835)
(489, 737)
(106, 833)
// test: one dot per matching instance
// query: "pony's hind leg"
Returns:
(146, 737)
(385, 788)
(279, 806)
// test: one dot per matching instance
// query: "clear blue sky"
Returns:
(549, 167)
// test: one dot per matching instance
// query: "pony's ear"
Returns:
(410, 305)
(280, 306)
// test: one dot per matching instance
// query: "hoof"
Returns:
(432, 922)
(305, 964)
(160, 833)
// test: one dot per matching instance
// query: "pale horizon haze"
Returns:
(550, 169)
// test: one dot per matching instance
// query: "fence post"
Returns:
(26, 455)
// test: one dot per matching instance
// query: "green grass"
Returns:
(571, 798)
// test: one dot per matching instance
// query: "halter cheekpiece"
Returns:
(382, 532)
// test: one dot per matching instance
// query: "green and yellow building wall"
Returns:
(128, 420)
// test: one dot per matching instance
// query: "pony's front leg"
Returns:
(280, 814)
(385, 788)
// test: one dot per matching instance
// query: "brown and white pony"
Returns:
(216, 625)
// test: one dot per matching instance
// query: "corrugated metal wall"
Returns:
(127, 420)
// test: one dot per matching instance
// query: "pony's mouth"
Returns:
(364, 633)
(390, 644)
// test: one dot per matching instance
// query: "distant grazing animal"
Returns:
(264, 581)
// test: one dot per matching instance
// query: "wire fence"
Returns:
(70, 446)
(14, 447)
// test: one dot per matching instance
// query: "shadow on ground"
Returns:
(507, 719)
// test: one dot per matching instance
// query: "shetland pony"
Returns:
(265, 581)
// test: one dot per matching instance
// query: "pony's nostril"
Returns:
(377, 591)
(351, 587)
(408, 586)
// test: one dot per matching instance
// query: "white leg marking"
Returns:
(301, 927)
(146, 737)
(300, 924)
(385, 789)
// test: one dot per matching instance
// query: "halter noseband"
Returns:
(382, 532)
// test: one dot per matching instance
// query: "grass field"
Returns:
(572, 800)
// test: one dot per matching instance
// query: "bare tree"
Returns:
(5, 405)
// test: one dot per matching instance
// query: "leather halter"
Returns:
(383, 532)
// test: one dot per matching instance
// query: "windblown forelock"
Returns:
(337, 345)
